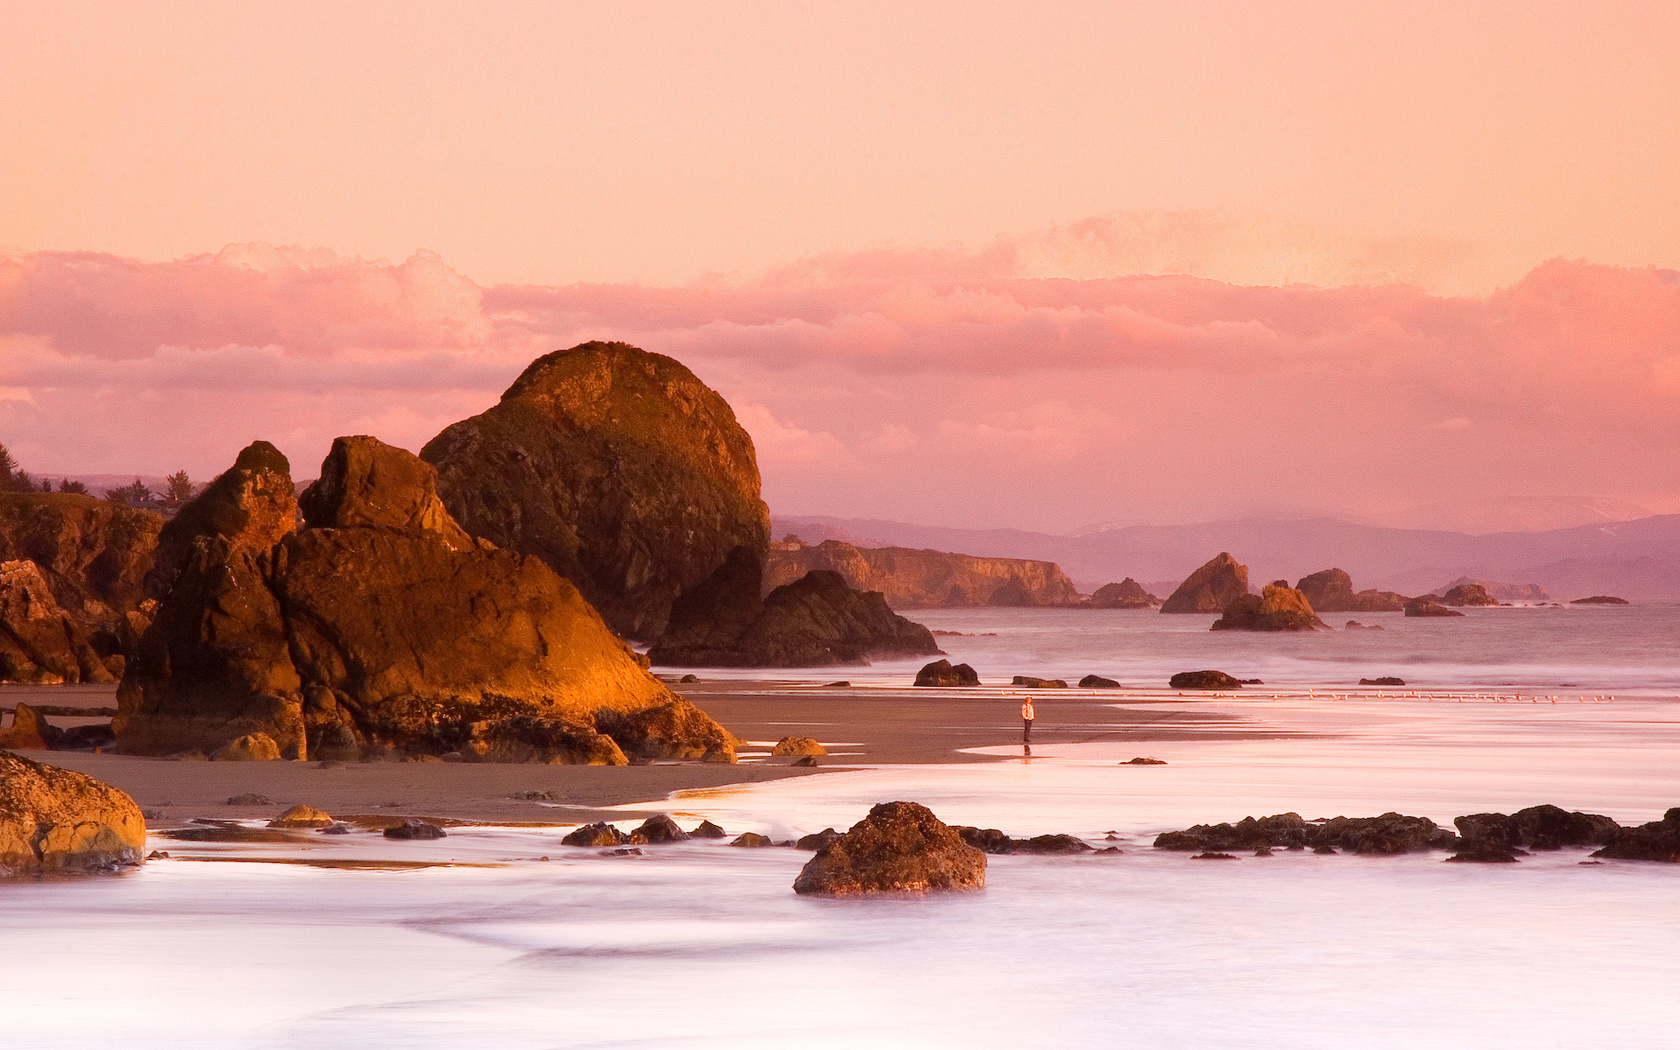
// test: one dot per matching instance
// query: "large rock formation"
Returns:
(1210, 588)
(1332, 591)
(53, 818)
(618, 468)
(901, 847)
(940, 673)
(93, 554)
(381, 625)
(1472, 594)
(926, 579)
(814, 621)
(39, 642)
(1279, 607)
(1127, 594)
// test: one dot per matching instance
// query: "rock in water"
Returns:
(1279, 607)
(39, 643)
(1332, 591)
(1385, 680)
(815, 621)
(900, 847)
(416, 829)
(53, 818)
(302, 816)
(1659, 840)
(797, 747)
(942, 673)
(381, 625)
(618, 468)
(1203, 680)
(1426, 606)
(1210, 588)
(1127, 594)
(1473, 594)
(1601, 599)
(1537, 827)
(1097, 681)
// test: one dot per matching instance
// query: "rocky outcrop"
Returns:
(29, 731)
(1030, 682)
(302, 816)
(901, 847)
(991, 840)
(941, 673)
(1388, 834)
(1332, 591)
(1210, 588)
(1127, 594)
(1659, 841)
(1097, 681)
(1426, 606)
(815, 621)
(1203, 680)
(1495, 590)
(798, 747)
(1279, 607)
(926, 579)
(617, 468)
(53, 818)
(1601, 599)
(39, 643)
(1473, 594)
(1384, 680)
(1537, 827)
(379, 625)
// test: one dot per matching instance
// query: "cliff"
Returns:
(926, 579)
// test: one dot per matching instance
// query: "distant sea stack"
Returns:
(381, 625)
(1471, 594)
(1127, 594)
(618, 468)
(1499, 592)
(1210, 588)
(926, 579)
(1332, 591)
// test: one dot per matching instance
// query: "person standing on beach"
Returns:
(1026, 720)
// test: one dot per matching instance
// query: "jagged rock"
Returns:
(751, 840)
(925, 579)
(380, 628)
(251, 506)
(1051, 844)
(40, 644)
(1659, 840)
(415, 829)
(1425, 606)
(1277, 608)
(1332, 591)
(1203, 680)
(1030, 682)
(1601, 599)
(708, 830)
(302, 816)
(942, 674)
(1387, 834)
(900, 847)
(1210, 588)
(615, 466)
(656, 830)
(815, 621)
(1467, 594)
(1097, 681)
(1127, 594)
(29, 731)
(1385, 680)
(817, 839)
(53, 818)
(1537, 827)
(797, 746)
(1282, 831)
(598, 834)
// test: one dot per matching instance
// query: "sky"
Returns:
(974, 264)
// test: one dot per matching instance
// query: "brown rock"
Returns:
(1601, 599)
(1127, 594)
(1097, 681)
(708, 830)
(250, 505)
(599, 834)
(900, 847)
(656, 830)
(415, 829)
(1029, 682)
(797, 746)
(302, 816)
(1203, 680)
(29, 731)
(926, 579)
(1467, 594)
(942, 674)
(256, 747)
(1426, 606)
(1537, 827)
(1210, 588)
(55, 819)
(1332, 591)
(1659, 841)
(1278, 608)
(363, 486)
(39, 643)
(751, 840)
(618, 468)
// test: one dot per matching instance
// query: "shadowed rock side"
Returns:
(1210, 588)
(94, 555)
(1127, 594)
(39, 642)
(901, 847)
(250, 506)
(1332, 591)
(813, 622)
(926, 579)
(381, 625)
(1279, 607)
(618, 468)
(53, 818)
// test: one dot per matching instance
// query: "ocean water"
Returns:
(477, 940)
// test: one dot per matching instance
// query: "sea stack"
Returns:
(1279, 607)
(1210, 588)
(1332, 591)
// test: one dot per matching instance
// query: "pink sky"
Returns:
(964, 264)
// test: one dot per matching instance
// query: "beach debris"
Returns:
(414, 828)
(942, 673)
(157, 854)
(628, 852)
(708, 830)
(1203, 680)
(1263, 852)
(539, 796)
(797, 746)
(751, 840)
(900, 847)
(656, 830)
(597, 834)
(53, 818)
(334, 829)
(302, 816)
(250, 798)
(1097, 681)
(1140, 761)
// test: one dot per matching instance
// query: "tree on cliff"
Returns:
(129, 495)
(66, 485)
(179, 488)
(13, 479)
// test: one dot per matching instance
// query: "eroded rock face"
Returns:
(250, 506)
(1332, 591)
(381, 625)
(53, 818)
(816, 621)
(1127, 594)
(926, 579)
(1277, 608)
(1210, 588)
(618, 468)
(901, 847)
(39, 642)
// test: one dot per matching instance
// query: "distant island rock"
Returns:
(1499, 592)
(926, 579)
(1426, 606)
(1601, 599)
(1127, 594)
(1210, 588)
(1279, 607)
(381, 625)
(618, 468)
(1332, 591)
